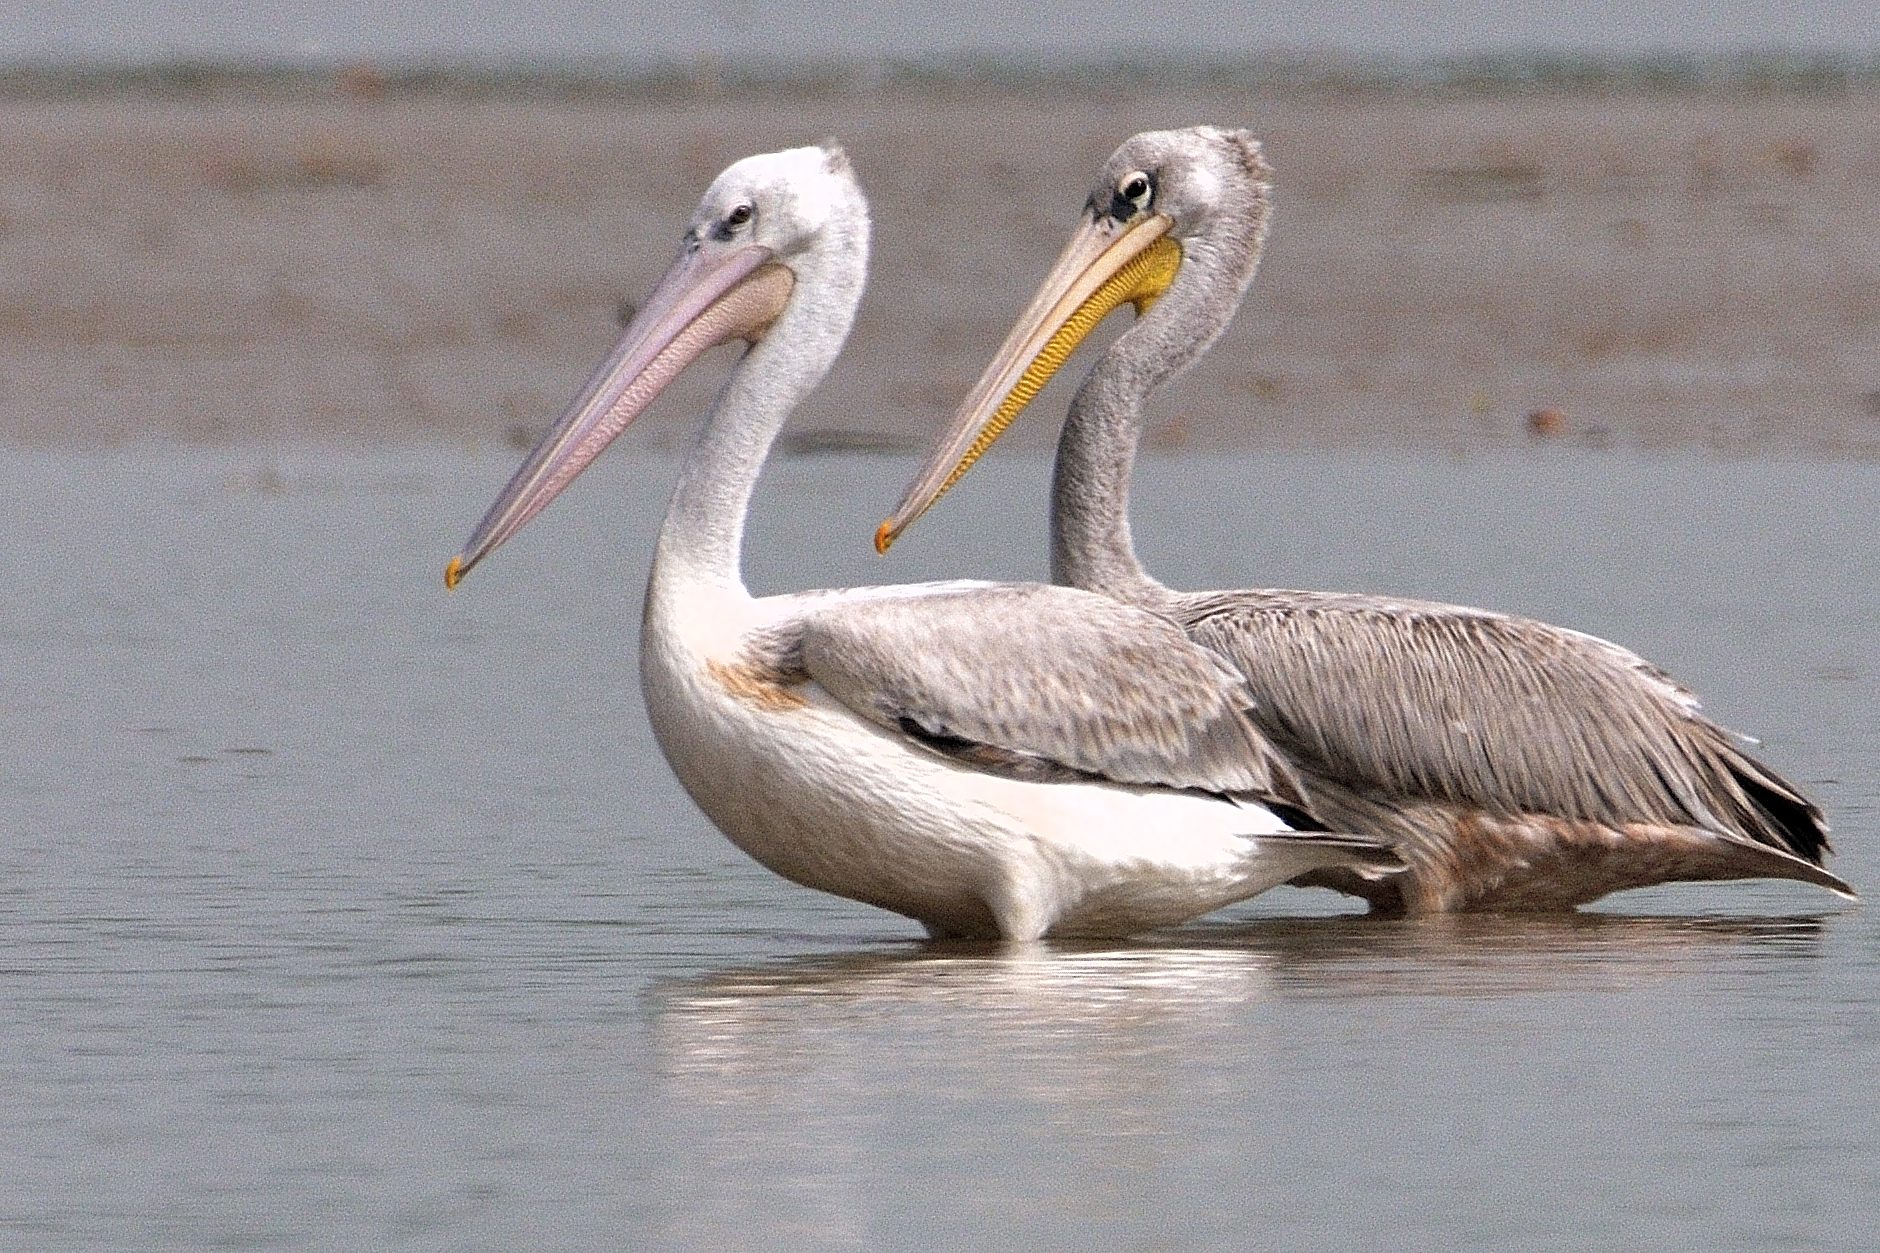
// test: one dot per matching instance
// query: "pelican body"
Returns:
(1514, 764)
(990, 760)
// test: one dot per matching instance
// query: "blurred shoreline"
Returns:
(1670, 251)
(1766, 71)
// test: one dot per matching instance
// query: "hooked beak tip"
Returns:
(453, 573)
(884, 537)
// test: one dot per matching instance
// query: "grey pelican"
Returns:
(1515, 764)
(992, 760)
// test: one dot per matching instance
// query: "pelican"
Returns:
(1515, 765)
(991, 760)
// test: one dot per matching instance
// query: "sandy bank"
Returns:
(1697, 269)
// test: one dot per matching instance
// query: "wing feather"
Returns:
(1050, 681)
(1445, 703)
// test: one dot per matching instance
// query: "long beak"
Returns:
(1100, 271)
(701, 302)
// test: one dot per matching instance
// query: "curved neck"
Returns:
(701, 541)
(1091, 547)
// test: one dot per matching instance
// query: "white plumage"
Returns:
(992, 760)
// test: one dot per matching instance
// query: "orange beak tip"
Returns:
(884, 537)
(453, 573)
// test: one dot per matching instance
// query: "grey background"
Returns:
(632, 32)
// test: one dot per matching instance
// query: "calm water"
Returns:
(685, 31)
(336, 912)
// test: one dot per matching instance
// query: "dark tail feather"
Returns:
(1779, 815)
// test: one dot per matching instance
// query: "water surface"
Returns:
(687, 31)
(336, 912)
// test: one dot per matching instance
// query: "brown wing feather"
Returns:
(1441, 703)
(1462, 857)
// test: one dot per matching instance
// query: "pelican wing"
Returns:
(1438, 702)
(1045, 682)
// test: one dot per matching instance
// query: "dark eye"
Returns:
(739, 215)
(1133, 193)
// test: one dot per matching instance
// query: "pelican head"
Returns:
(779, 239)
(1174, 224)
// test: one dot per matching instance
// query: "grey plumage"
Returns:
(1507, 743)
(1516, 764)
(1087, 685)
(865, 742)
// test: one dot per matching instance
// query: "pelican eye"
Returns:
(736, 218)
(1134, 193)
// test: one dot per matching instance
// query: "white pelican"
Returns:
(1516, 765)
(1007, 760)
